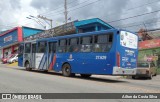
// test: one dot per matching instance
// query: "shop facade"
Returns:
(149, 50)
(10, 39)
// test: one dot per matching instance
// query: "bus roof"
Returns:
(78, 35)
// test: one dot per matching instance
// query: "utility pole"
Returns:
(65, 12)
(46, 19)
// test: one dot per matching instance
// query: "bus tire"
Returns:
(86, 75)
(66, 70)
(28, 66)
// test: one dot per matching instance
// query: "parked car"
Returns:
(13, 59)
(145, 69)
(4, 60)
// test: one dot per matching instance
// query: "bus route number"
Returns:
(101, 57)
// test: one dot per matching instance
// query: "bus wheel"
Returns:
(85, 75)
(66, 70)
(28, 66)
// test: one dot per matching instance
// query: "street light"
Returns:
(38, 21)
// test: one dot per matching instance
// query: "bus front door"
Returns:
(20, 55)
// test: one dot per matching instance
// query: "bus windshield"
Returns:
(128, 40)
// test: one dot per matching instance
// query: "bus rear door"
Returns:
(51, 54)
(41, 56)
(33, 55)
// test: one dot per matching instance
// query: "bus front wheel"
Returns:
(66, 70)
(85, 75)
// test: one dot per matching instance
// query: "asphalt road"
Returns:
(18, 80)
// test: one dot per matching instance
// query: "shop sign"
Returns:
(149, 44)
(8, 38)
(57, 31)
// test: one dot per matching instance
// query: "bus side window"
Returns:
(52, 47)
(33, 48)
(73, 45)
(86, 44)
(103, 43)
(42, 47)
(27, 47)
(62, 46)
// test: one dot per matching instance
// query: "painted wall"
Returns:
(9, 38)
(91, 25)
(149, 50)
(30, 31)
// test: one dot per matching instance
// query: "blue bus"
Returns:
(108, 52)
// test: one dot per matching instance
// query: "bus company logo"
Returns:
(70, 58)
(6, 96)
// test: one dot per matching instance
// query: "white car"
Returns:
(14, 58)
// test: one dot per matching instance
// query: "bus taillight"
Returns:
(118, 59)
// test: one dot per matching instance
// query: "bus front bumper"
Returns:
(123, 71)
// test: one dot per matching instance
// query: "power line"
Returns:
(134, 16)
(75, 8)
(57, 8)
(135, 23)
(61, 11)
(141, 24)
(40, 14)
(120, 19)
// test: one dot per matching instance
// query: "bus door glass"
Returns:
(33, 55)
(20, 54)
(51, 54)
(127, 50)
(27, 52)
(41, 56)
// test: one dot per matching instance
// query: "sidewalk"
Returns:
(14, 65)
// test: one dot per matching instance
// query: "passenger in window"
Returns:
(97, 48)
(76, 49)
(63, 49)
(71, 49)
(86, 48)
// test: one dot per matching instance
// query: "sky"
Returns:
(126, 14)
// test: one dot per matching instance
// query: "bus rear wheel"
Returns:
(66, 70)
(85, 75)
(28, 66)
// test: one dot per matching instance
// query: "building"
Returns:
(149, 47)
(74, 27)
(10, 39)
(91, 25)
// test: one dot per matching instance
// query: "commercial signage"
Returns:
(149, 44)
(128, 40)
(57, 31)
(8, 38)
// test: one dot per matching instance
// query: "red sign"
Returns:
(149, 44)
